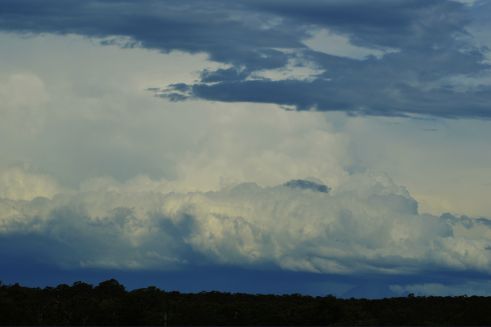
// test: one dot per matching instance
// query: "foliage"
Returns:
(109, 303)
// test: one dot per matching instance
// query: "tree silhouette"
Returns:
(109, 303)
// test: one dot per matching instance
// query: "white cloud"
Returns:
(299, 68)
(22, 96)
(366, 224)
(17, 183)
(263, 145)
(330, 42)
(22, 90)
(444, 163)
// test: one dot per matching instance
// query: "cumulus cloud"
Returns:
(367, 224)
(17, 183)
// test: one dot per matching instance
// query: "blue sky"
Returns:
(157, 141)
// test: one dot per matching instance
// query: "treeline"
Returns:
(110, 304)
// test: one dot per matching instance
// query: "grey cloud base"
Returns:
(433, 49)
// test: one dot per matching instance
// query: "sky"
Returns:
(317, 147)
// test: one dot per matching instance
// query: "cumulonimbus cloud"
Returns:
(367, 224)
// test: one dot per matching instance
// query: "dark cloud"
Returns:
(308, 185)
(378, 23)
(430, 49)
(214, 27)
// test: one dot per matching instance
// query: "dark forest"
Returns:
(109, 303)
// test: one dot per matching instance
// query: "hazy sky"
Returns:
(186, 144)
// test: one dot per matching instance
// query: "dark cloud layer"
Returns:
(430, 49)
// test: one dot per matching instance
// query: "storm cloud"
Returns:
(366, 225)
(145, 140)
(415, 57)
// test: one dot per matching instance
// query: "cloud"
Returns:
(17, 183)
(101, 122)
(480, 288)
(340, 45)
(15, 88)
(122, 181)
(313, 185)
(366, 225)
(386, 58)
(22, 96)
